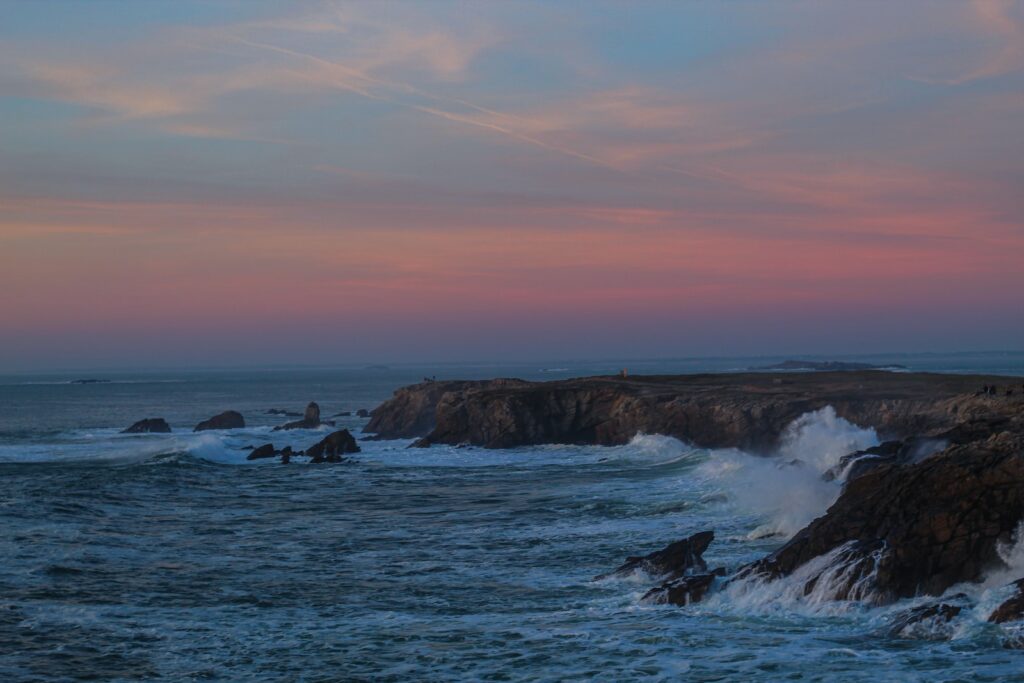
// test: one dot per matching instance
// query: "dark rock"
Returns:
(286, 456)
(918, 529)
(928, 621)
(332, 447)
(151, 425)
(264, 451)
(89, 381)
(229, 419)
(683, 591)
(1013, 608)
(344, 413)
(310, 420)
(672, 561)
(362, 412)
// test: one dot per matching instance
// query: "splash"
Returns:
(833, 583)
(788, 491)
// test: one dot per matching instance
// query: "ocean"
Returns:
(135, 557)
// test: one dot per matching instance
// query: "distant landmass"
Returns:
(827, 366)
(89, 381)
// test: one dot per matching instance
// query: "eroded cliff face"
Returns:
(747, 410)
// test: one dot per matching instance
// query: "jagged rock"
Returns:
(151, 425)
(928, 622)
(743, 410)
(310, 419)
(672, 561)
(917, 529)
(1013, 608)
(229, 419)
(332, 447)
(264, 451)
(683, 591)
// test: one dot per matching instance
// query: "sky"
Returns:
(245, 182)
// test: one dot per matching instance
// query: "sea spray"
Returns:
(788, 491)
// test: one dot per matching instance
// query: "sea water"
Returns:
(126, 557)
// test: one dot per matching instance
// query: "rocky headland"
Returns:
(932, 507)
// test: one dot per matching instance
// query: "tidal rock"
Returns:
(229, 419)
(1013, 608)
(928, 622)
(151, 425)
(264, 451)
(683, 591)
(310, 419)
(284, 413)
(898, 532)
(672, 561)
(344, 413)
(362, 412)
(332, 447)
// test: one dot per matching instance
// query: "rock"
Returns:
(902, 531)
(741, 410)
(1013, 608)
(229, 419)
(344, 413)
(362, 412)
(310, 419)
(286, 457)
(264, 451)
(332, 447)
(927, 622)
(672, 561)
(89, 381)
(683, 591)
(151, 425)
(411, 411)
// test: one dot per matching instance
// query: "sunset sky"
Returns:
(248, 182)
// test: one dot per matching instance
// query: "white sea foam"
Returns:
(788, 491)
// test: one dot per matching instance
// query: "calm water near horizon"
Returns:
(126, 557)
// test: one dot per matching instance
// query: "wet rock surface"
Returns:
(229, 419)
(1013, 608)
(672, 561)
(683, 591)
(929, 621)
(333, 447)
(150, 425)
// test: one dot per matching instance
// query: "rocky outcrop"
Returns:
(362, 412)
(898, 532)
(260, 452)
(151, 425)
(229, 419)
(1013, 608)
(744, 410)
(683, 591)
(310, 419)
(333, 447)
(283, 413)
(411, 412)
(670, 562)
(930, 621)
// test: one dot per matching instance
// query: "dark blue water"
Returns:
(127, 557)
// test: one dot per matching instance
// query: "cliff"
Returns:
(743, 410)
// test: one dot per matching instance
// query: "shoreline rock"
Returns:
(150, 425)
(229, 419)
(310, 419)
